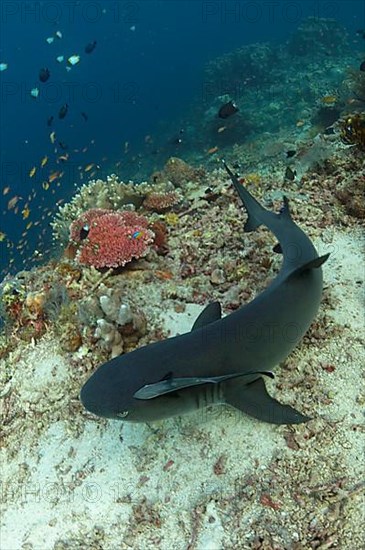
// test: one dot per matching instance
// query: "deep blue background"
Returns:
(133, 81)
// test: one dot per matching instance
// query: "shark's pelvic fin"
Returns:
(209, 314)
(254, 400)
(312, 264)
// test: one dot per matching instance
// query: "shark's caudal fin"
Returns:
(256, 213)
(252, 206)
(254, 400)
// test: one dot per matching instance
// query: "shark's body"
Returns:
(221, 360)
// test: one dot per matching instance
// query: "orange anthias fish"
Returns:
(26, 212)
(54, 176)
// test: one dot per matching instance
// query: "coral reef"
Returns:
(353, 130)
(28, 308)
(120, 325)
(178, 172)
(159, 202)
(110, 194)
(319, 36)
(109, 239)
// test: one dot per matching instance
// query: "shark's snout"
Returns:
(89, 398)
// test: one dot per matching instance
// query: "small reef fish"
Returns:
(26, 212)
(329, 99)
(13, 202)
(212, 150)
(32, 171)
(53, 176)
(289, 174)
(3, 66)
(178, 139)
(50, 120)
(44, 161)
(84, 231)
(63, 111)
(84, 116)
(90, 47)
(52, 137)
(63, 158)
(89, 167)
(74, 60)
(210, 365)
(44, 74)
(34, 92)
(228, 109)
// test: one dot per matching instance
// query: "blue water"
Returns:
(145, 71)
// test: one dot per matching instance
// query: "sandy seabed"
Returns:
(210, 480)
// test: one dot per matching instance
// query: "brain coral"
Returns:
(110, 239)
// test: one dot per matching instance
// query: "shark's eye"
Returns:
(122, 414)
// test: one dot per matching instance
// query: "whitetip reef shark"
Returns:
(222, 360)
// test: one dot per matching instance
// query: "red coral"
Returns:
(111, 239)
(85, 220)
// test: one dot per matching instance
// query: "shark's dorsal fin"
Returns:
(211, 313)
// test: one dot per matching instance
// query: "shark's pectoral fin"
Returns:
(254, 400)
(169, 384)
(209, 314)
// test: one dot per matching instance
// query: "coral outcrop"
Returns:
(107, 239)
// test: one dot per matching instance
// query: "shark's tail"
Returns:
(257, 214)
